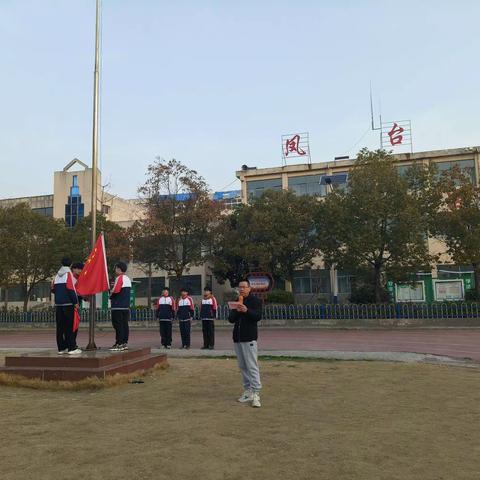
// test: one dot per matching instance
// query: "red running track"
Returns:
(459, 343)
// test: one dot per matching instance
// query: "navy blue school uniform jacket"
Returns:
(185, 308)
(120, 296)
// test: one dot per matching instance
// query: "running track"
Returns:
(459, 343)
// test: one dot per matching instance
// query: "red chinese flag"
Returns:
(94, 276)
(76, 319)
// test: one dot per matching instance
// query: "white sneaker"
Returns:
(256, 400)
(61, 352)
(77, 351)
(246, 397)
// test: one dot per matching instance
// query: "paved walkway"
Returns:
(456, 343)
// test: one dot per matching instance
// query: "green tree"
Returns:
(144, 248)
(375, 228)
(117, 242)
(275, 233)
(32, 247)
(180, 213)
(458, 221)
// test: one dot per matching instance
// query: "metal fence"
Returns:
(348, 314)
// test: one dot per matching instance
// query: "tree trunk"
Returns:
(5, 300)
(476, 276)
(149, 286)
(26, 293)
(378, 284)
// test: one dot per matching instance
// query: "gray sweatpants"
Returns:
(248, 364)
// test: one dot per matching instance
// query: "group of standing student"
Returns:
(67, 303)
(168, 309)
(245, 317)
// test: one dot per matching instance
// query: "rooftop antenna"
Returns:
(371, 115)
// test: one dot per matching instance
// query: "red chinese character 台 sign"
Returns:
(292, 145)
(395, 134)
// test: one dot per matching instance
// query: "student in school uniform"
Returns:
(120, 307)
(77, 270)
(185, 311)
(166, 313)
(63, 288)
(208, 313)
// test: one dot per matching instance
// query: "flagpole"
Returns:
(96, 76)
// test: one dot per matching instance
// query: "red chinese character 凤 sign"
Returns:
(395, 134)
(292, 145)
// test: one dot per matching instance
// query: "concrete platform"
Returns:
(48, 365)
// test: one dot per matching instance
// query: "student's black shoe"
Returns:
(210, 348)
(204, 348)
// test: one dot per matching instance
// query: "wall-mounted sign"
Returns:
(260, 282)
(406, 292)
(449, 290)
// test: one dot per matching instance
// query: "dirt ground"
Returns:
(319, 420)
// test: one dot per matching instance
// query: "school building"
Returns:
(445, 282)
(71, 201)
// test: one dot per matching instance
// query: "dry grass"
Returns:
(90, 383)
(319, 420)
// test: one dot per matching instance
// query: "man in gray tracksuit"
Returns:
(245, 333)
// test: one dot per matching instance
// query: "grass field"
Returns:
(319, 420)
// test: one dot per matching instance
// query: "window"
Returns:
(445, 272)
(46, 212)
(141, 288)
(344, 281)
(466, 166)
(403, 169)
(74, 209)
(257, 188)
(307, 185)
(15, 294)
(192, 282)
(311, 281)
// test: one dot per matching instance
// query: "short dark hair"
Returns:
(246, 280)
(78, 265)
(66, 262)
(184, 289)
(207, 289)
(122, 266)
(165, 288)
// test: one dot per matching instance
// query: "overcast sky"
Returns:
(216, 83)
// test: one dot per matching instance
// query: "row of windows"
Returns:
(319, 184)
(15, 294)
(46, 212)
(192, 282)
(318, 281)
(467, 166)
(302, 185)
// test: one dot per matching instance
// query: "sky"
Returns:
(215, 84)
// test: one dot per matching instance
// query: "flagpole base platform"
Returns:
(91, 347)
(49, 366)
